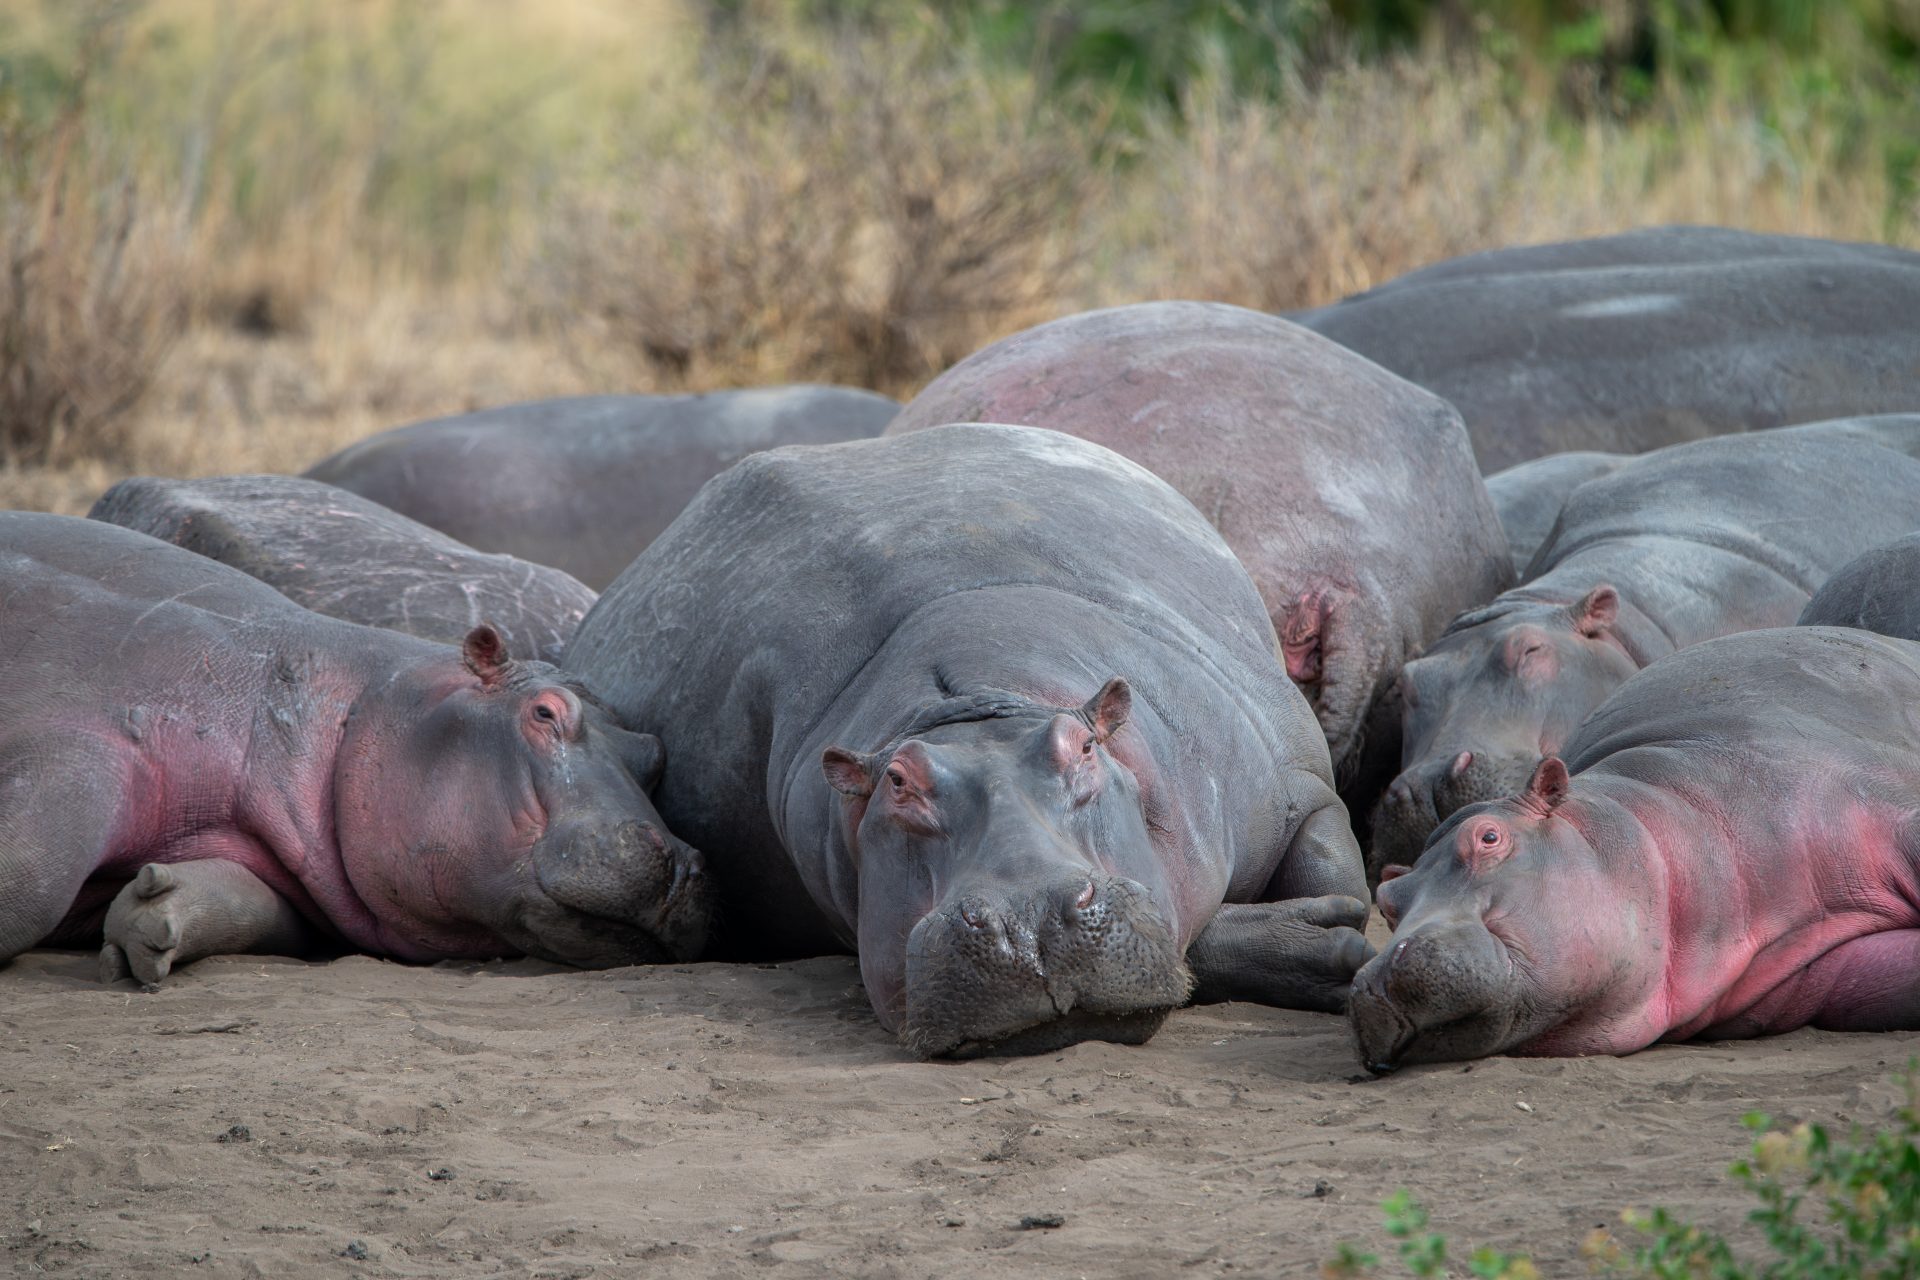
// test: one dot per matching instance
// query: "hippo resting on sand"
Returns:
(997, 709)
(584, 484)
(1528, 498)
(1350, 495)
(336, 553)
(1682, 545)
(1627, 343)
(1879, 591)
(1737, 853)
(200, 765)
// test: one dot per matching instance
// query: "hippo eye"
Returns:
(897, 778)
(1086, 748)
(1490, 836)
(543, 712)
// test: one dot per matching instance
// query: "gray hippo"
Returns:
(998, 710)
(585, 483)
(191, 763)
(1528, 497)
(336, 553)
(1684, 544)
(1878, 591)
(1736, 853)
(1627, 343)
(1349, 494)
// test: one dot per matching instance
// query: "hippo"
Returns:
(1681, 545)
(997, 710)
(1528, 497)
(1729, 849)
(1349, 494)
(1632, 342)
(337, 553)
(1878, 591)
(192, 764)
(586, 482)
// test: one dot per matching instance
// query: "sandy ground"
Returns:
(715, 1120)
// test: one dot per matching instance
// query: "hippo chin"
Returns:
(1735, 853)
(191, 764)
(1021, 736)
(1679, 546)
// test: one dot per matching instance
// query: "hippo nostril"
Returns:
(1085, 899)
(975, 916)
(1462, 763)
(1400, 792)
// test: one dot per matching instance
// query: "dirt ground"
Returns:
(264, 1117)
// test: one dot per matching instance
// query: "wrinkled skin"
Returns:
(1528, 498)
(585, 483)
(191, 764)
(1349, 495)
(336, 553)
(1682, 545)
(999, 711)
(1735, 854)
(1878, 591)
(1633, 342)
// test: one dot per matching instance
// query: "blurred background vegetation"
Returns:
(236, 233)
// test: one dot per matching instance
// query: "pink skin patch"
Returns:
(1302, 636)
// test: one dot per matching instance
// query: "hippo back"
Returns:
(338, 554)
(585, 483)
(1630, 343)
(1528, 498)
(760, 609)
(1878, 591)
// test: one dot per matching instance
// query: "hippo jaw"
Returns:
(632, 894)
(1444, 995)
(1092, 959)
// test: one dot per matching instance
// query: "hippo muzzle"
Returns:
(1438, 993)
(1088, 958)
(629, 894)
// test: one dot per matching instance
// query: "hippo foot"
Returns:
(143, 930)
(1300, 954)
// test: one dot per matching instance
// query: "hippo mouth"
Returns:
(1381, 1033)
(1073, 1028)
(651, 908)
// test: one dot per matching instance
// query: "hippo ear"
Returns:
(848, 772)
(1108, 709)
(1548, 785)
(1303, 628)
(643, 755)
(1393, 871)
(485, 653)
(1596, 611)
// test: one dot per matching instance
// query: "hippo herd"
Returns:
(1116, 670)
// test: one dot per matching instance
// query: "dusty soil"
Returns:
(715, 1120)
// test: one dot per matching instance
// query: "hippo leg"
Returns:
(171, 914)
(1292, 955)
(53, 832)
(1875, 983)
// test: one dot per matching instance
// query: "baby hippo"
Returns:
(339, 554)
(1879, 592)
(1736, 853)
(191, 764)
(1682, 545)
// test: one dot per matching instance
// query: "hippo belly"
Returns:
(982, 704)
(1634, 342)
(585, 483)
(336, 553)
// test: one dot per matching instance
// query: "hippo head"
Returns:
(496, 798)
(1508, 926)
(1010, 898)
(1502, 688)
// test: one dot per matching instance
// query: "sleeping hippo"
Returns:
(1350, 495)
(338, 554)
(1878, 591)
(1528, 498)
(998, 710)
(192, 764)
(1687, 543)
(585, 483)
(1631, 342)
(1735, 854)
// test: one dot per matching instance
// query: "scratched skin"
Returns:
(585, 483)
(1737, 853)
(1349, 494)
(336, 553)
(1676, 547)
(195, 764)
(1632, 342)
(998, 710)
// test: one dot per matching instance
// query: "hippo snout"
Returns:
(1087, 958)
(1427, 793)
(631, 893)
(1436, 994)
